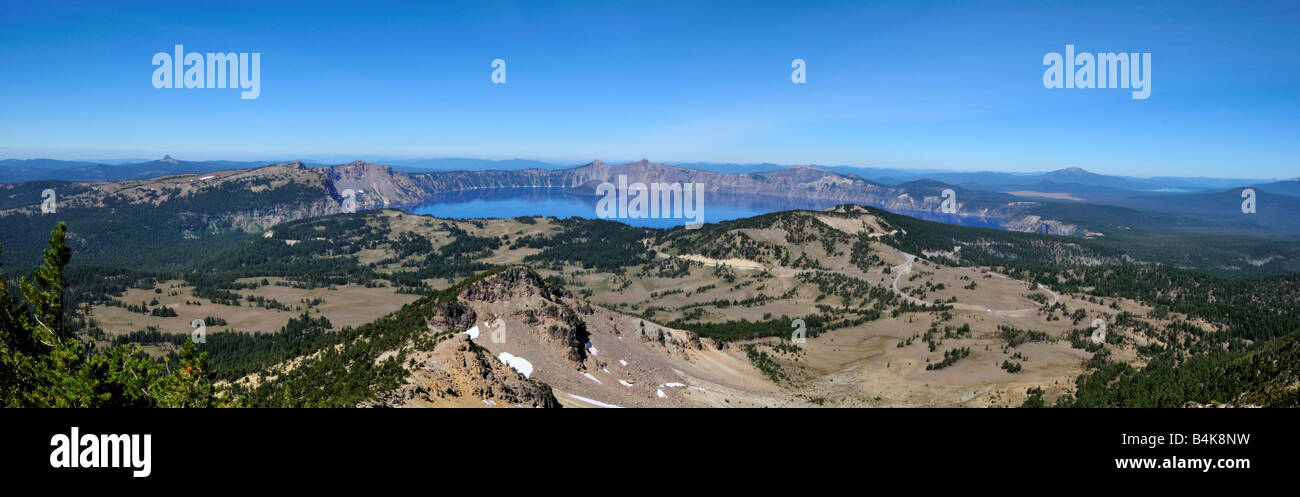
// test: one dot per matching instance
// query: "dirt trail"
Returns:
(907, 267)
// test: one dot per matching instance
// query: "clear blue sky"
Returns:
(889, 85)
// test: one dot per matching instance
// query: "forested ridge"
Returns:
(150, 229)
(44, 364)
(1253, 360)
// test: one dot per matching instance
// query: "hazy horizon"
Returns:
(332, 159)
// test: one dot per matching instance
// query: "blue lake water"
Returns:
(556, 202)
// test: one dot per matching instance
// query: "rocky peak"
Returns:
(538, 305)
(168, 159)
(461, 374)
(513, 282)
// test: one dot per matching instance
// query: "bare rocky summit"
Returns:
(459, 373)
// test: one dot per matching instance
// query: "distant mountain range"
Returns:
(1067, 181)
(17, 170)
(1289, 187)
(189, 198)
(1017, 201)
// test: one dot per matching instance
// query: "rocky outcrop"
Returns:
(559, 326)
(514, 282)
(1036, 224)
(539, 306)
(454, 316)
(375, 185)
(462, 374)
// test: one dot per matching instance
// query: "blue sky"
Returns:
(888, 84)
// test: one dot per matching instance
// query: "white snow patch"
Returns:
(488, 402)
(596, 402)
(673, 385)
(592, 378)
(661, 393)
(517, 363)
(472, 332)
(624, 383)
(591, 348)
(620, 361)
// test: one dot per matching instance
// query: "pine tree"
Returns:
(42, 365)
(45, 291)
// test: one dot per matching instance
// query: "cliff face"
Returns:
(1036, 224)
(376, 185)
